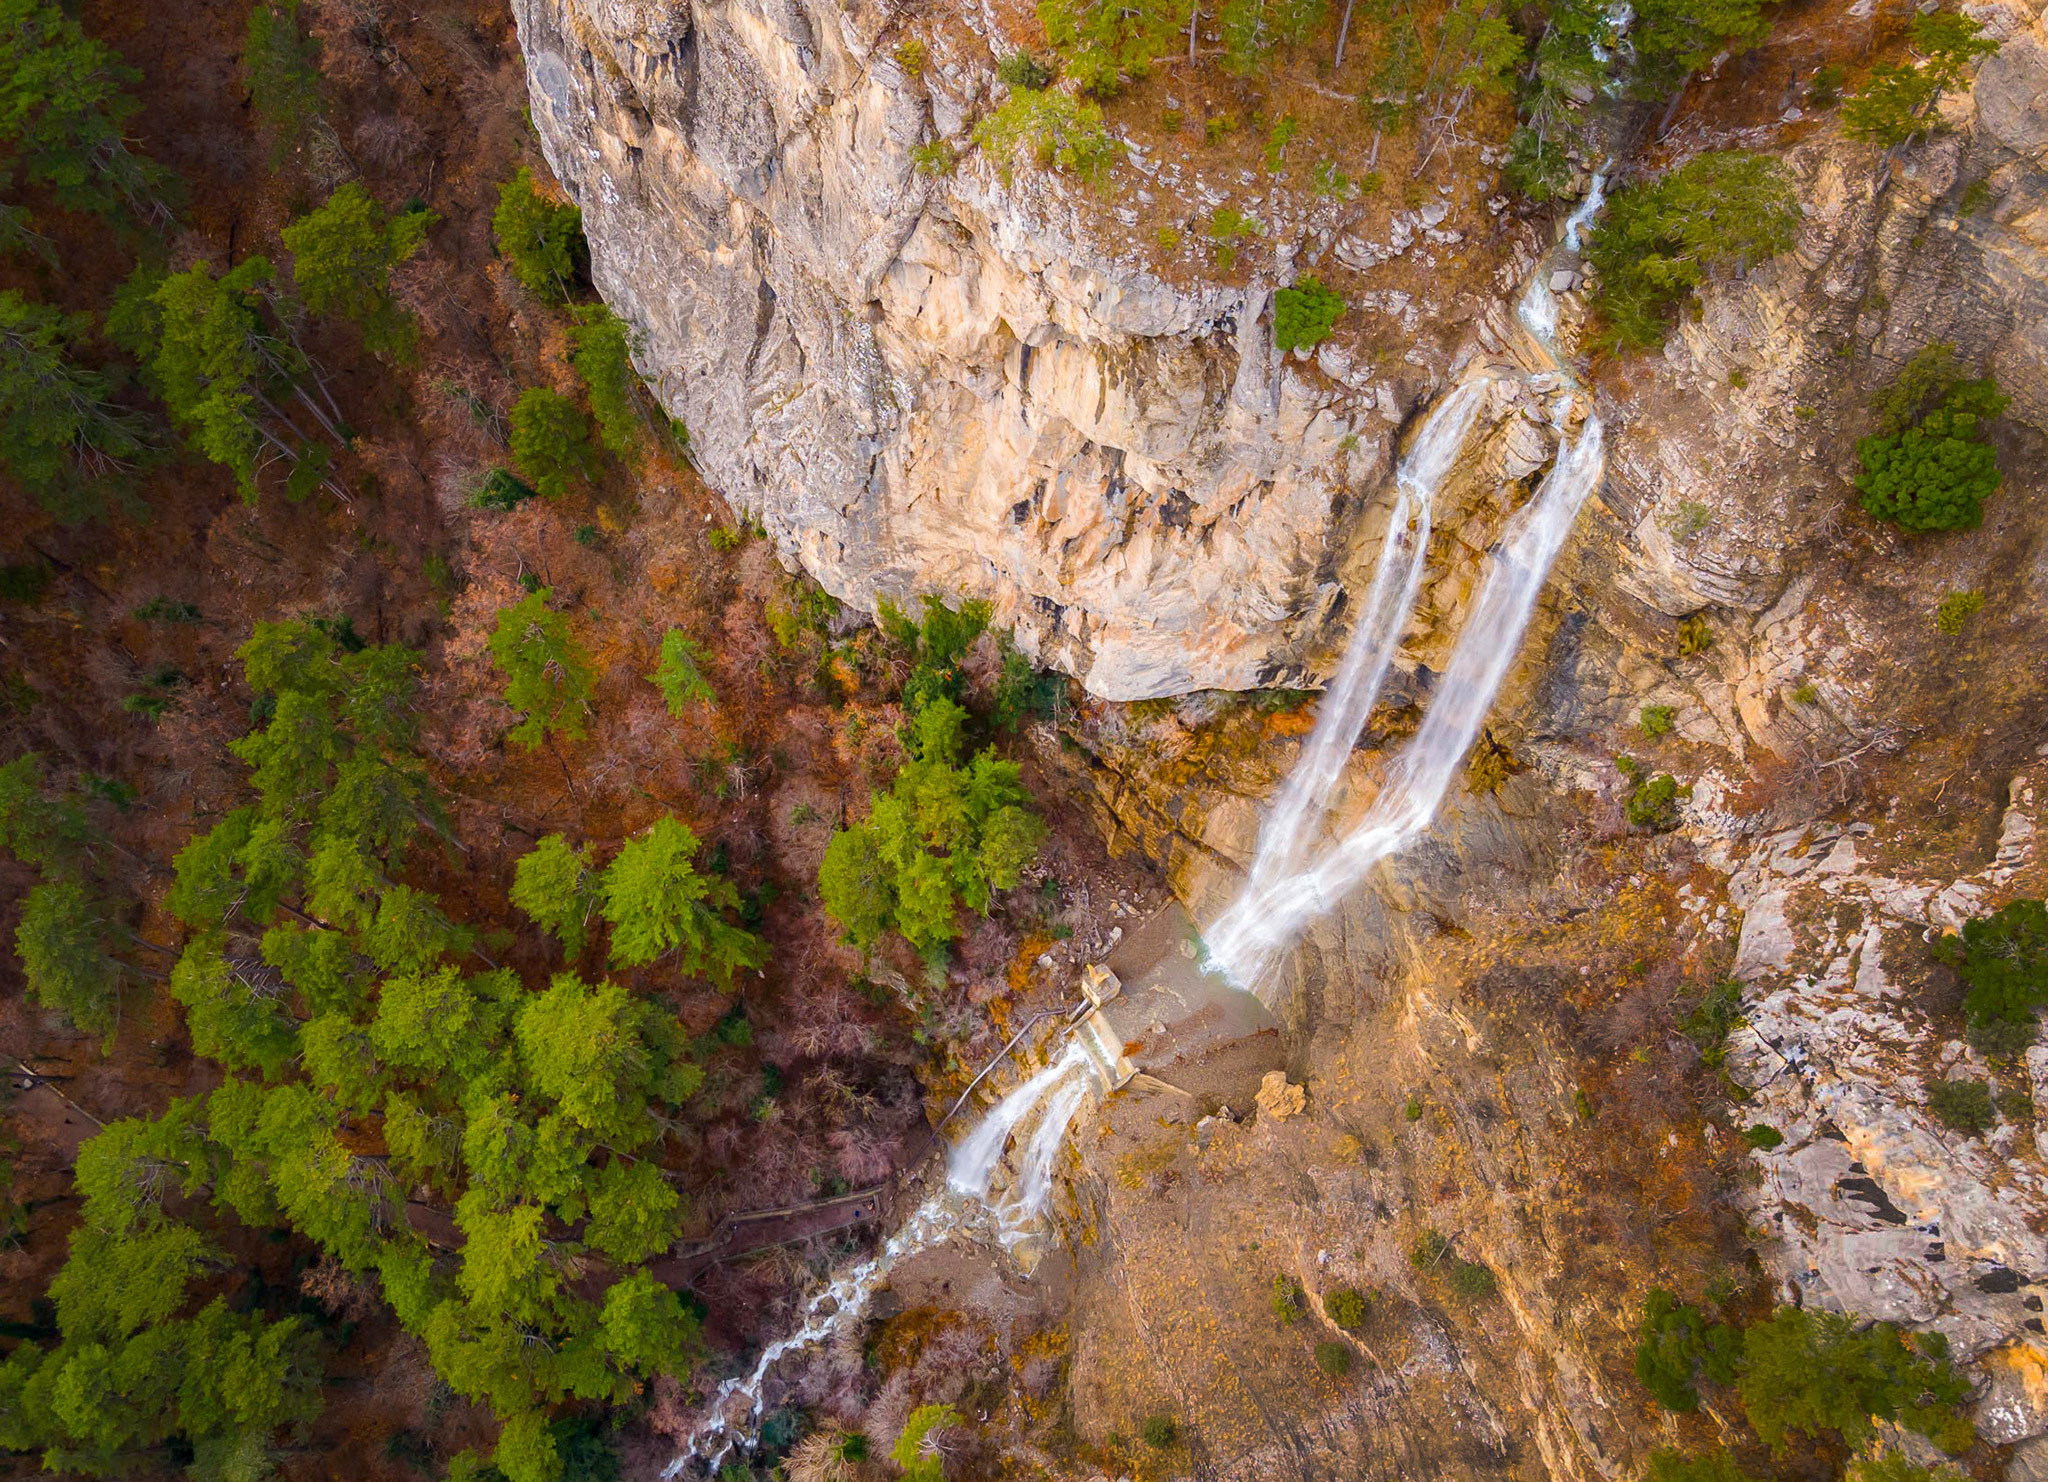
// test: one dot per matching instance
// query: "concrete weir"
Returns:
(1097, 1036)
(1159, 1014)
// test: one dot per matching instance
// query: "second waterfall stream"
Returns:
(1288, 887)
(1297, 873)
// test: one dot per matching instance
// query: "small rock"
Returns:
(1045, 959)
(1279, 1100)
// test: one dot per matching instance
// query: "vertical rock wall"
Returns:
(925, 383)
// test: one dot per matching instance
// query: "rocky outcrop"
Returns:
(948, 383)
(957, 383)
(1875, 1207)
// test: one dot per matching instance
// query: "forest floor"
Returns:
(831, 1075)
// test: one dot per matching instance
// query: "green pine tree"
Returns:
(1677, 1347)
(62, 434)
(1936, 473)
(63, 944)
(680, 673)
(603, 359)
(281, 63)
(1254, 29)
(549, 678)
(542, 239)
(1106, 43)
(64, 104)
(223, 361)
(635, 1213)
(342, 257)
(1712, 1466)
(1815, 1373)
(1895, 104)
(1058, 130)
(1675, 38)
(2003, 962)
(660, 905)
(554, 884)
(943, 836)
(1304, 314)
(1660, 240)
(551, 441)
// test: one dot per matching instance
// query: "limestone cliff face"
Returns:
(951, 384)
(1533, 950)
(1728, 485)
(1872, 1204)
(923, 383)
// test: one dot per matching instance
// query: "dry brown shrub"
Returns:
(392, 466)
(405, 1378)
(673, 1411)
(340, 1291)
(1638, 1017)
(743, 644)
(759, 573)
(986, 947)
(862, 1155)
(816, 1459)
(384, 141)
(886, 1414)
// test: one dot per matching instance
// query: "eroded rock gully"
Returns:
(949, 383)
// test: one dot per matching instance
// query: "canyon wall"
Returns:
(997, 384)
(981, 387)
(959, 384)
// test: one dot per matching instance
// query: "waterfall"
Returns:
(974, 1161)
(1249, 937)
(1280, 895)
(1019, 1212)
(1349, 701)
(963, 1203)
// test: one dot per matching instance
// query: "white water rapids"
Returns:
(1288, 885)
(1281, 895)
(964, 1203)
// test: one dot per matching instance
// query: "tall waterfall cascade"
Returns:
(1288, 887)
(999, 1177)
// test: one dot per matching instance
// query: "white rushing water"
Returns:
(1017, 1214)
(964, 1203)
(1246, 942)
(736, 1407)
(1538, 308)
(1285, 889)
(1281, 895)
(974, 1161)
(1348, 702)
